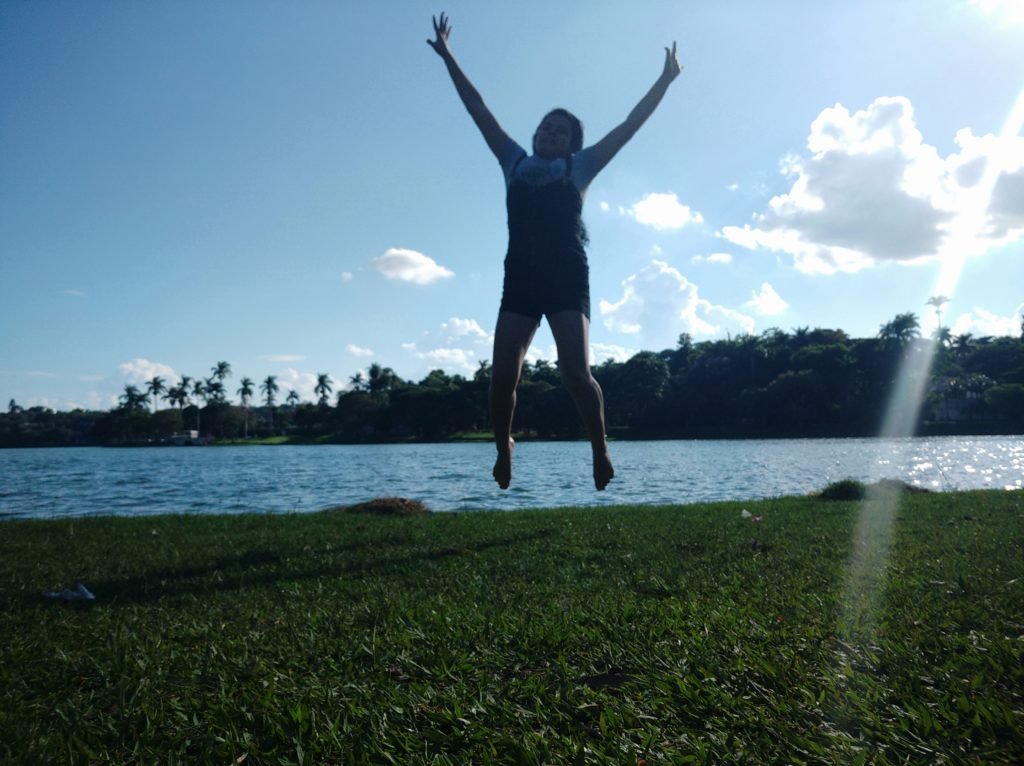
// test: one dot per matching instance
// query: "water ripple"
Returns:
(76, 482)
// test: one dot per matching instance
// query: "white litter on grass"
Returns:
(78, 593)
(746, 514)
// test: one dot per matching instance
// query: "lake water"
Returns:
(49, 483)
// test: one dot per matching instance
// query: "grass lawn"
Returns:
(626, 635)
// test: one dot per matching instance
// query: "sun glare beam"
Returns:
(872, 537)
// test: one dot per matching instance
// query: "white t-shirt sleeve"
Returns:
(584, 168)
(510, 154)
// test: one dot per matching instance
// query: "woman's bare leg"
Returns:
(572, 331)
(512, 339)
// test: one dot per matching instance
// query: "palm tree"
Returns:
(222, 371)
(245, 392)
(901, 329)
(323, 387)
(177, 395)
(199, 391)
(215, 391)
(943, 336)
(269, 388)
(357, 382)
(292, 398)
(962, 344)
(937, 301)
(186, 386)
(133, 398)
(13, 407)
(156, 387)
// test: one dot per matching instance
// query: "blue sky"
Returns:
(295, 188)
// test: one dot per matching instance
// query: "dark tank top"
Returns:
(546, 259)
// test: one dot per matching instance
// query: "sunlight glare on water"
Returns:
(453, 477)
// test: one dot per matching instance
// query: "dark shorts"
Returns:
(546, 286)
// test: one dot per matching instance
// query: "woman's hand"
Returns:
(441, 31)
(672, 65)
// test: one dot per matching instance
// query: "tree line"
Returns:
(807, 382)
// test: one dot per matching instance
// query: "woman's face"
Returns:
(553, 137)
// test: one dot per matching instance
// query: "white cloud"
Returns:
(141, 371)
(663, 211)
(73, 293)
(766, 302)
(301, 382)
(410, 266)
(535, 352)
(979, 322)
(713, 258)
(601, 352)
(41, 374)
(870, 190)
(658, 303)
(464, 327)
(449, 343)
(605, 207)
(355, 350)
(347, 276)
(463, 359)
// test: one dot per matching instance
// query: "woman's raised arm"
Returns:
(609, 146)
(492, 132)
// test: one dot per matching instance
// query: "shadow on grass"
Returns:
(269, 568)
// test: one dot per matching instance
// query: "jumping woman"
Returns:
(546, 272)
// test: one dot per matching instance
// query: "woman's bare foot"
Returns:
(603, 470)
(503, 466)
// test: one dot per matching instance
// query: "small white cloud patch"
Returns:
(464, 327)
(713, 258)
(359, 351)
(140, 371)
(663, 212)
(462, 358)
(602, 352)
(766, 302)
(303, 383)
(410, 266)
(981, 322)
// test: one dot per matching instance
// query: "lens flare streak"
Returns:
(872, 537)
